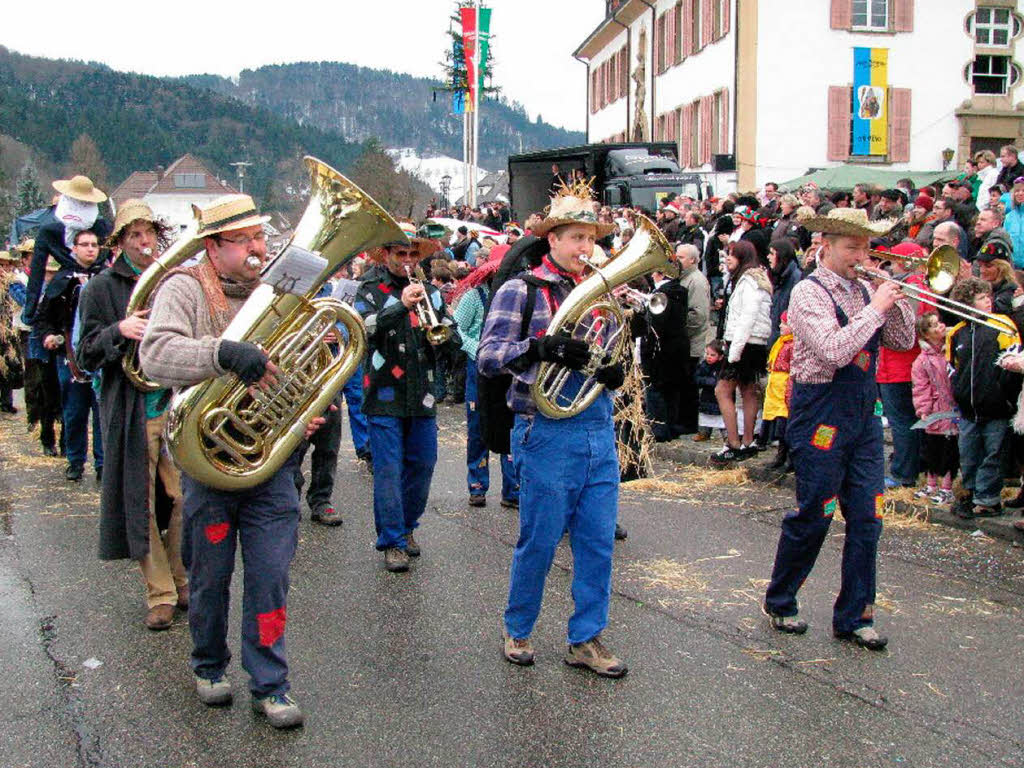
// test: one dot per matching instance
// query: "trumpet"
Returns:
(655, 302)
(943, 266)
(437, 332)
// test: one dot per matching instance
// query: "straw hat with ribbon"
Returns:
(131, 210)
(80, 188)
(423, 246)
(28, 245)
(226, 213)
(573, 205)
(852, 222)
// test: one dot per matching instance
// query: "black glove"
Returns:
(246, 360)
(612, 376)
(572, 353)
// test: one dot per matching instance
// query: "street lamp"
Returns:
(240, 168)
(446, 184)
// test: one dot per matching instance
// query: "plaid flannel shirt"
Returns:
(821, 346)
(501, 347)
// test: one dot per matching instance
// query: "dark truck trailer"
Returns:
(631, 174)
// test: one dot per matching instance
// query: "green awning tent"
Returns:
(845, 176)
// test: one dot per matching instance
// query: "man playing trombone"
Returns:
(835, 427)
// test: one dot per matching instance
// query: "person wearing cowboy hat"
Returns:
(835, 426)
(398, 391)
(568, 468)
(77, 209)
(181, 347)
(132, 423)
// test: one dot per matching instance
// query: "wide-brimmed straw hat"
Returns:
(131, 210)
(10, 256)
(226, 213)
(852, 222)
(573, 205)
(28, 245)
(80, 188)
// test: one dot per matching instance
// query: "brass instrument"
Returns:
(180, 251)
(943, 266)
(655, 302)
(437, 332)
(231, 436)
(592, 314)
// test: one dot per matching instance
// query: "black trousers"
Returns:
(324, 462)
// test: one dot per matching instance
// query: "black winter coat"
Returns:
(124, 498)
(50, 242)
(706, 377)
(982, 390)
(665, 348)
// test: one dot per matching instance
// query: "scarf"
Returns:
(217, 290)
(75, 215)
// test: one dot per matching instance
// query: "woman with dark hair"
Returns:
(747, 326)
(784, 273)
(840, 199)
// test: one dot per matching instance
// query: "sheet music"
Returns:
(295, 270)
(345, 290)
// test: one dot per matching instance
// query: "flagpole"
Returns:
(476, 100)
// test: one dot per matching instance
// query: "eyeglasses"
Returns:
(244, 240)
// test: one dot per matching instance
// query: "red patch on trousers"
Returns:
(271, 626)
(217, 532)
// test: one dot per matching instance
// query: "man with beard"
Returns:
(133, 424)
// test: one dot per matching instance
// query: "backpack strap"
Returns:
(532, 284)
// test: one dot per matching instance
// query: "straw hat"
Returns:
(80, 188)
(131, 210)
(573, 205)
(8, 256)
(852, 222)
(226, 213)
(26, 246)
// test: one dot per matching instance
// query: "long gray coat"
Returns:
(124, 500)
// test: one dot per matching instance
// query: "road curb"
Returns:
(685, 451)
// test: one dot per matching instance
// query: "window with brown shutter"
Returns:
(705, 130)
(902, 15)
(899, 125)
(659, 47)
(623, 72)
(609, 82)
(707, 21)
(685, 134)
(679, 50)
(670, 126)
(841, 16)
(593, 91)
(692, 10)
(839, 124)
(670, 39)
(726, 17)
(723, 132)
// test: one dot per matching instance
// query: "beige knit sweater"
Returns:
(181, 344)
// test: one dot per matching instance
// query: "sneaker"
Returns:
(700, 438)
(510, 503)
(326, 516)
(412, 549)
(865, 637)
(517, 650)
(986, 510)
(726, 455)
(282, 710)
(620, 532)
(746, 451)
(74, 473)
(396, 560)
(214, 693)
(159, 617)
(942, 496)
(791, 625)
(928, 492)
(594, 656)
(477, 500)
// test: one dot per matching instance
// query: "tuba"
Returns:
(592, 314)
(231, 436)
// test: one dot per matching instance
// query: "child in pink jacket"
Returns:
(935, 406)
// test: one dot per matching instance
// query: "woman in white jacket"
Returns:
(747, 327)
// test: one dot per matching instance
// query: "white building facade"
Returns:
(765, 90)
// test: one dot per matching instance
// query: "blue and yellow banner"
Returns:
(870, 108)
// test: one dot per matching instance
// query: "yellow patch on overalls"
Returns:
(879, 505)
(824, 436)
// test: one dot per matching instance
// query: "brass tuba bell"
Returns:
(592, 314)
(230, 436)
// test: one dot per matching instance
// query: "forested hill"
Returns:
(141, 122)
(358, 103)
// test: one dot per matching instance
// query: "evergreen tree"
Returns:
(29, 196)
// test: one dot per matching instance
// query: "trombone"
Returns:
(941, 269)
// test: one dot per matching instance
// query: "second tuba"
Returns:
(230, 436)
(591, 313)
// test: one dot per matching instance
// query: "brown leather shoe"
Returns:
(183, 598)
(160, 617)
(396, 560)
(517, 650)
(594, 656)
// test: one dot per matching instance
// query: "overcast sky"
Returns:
(533, 39)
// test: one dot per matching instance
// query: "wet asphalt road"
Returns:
(406, 669)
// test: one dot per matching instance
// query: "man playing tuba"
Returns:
(568, 468)
(182, 346)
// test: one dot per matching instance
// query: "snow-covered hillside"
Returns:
(431, 169)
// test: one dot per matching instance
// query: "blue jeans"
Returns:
(77, 400)
(981, 458)
(570, 480)
(478, 478)
(404, 455)
(898, 407)
(265, 519)
(353, 392)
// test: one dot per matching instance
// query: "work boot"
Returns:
(213, 693)
(510, 503)
(396, 560)
(282, 710)
(74, 473)
(517, 650)
(412, 549)
(781, 457)
(865, 637)
(594, 656)
(159, 617)
(791, 625)
(326, 516)
(477, 500)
